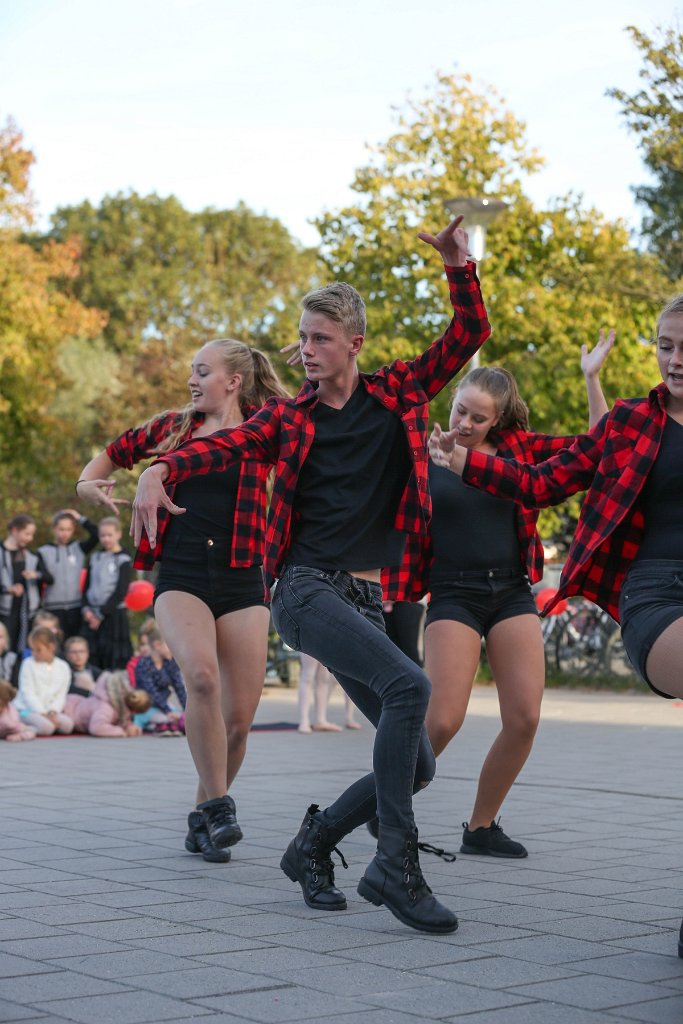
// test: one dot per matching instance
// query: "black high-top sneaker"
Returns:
(197, 840)
(220, 820)
(491, 842)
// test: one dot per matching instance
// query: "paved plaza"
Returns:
(104, 917)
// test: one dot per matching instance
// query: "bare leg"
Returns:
(665, 660)
(323, 686)
(452, 652)
(189, 629)
(242, 656)
(309, 668)
(350, 714)
(515, 653)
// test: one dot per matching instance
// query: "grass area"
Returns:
(561, 680)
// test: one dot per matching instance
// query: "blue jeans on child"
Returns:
(337, 619)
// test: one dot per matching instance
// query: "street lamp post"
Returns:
(479, 211)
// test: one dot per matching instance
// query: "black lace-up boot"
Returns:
(220, 820)
(394, 879)
(197, 840)
(308, 861)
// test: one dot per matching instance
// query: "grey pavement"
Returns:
(104, 916)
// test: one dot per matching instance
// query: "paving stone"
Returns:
(435, 1001)
(120, 965)
(273, 1005)
(496, 972)
(590, 993)
(656, 1011)
(121, 1008)
(39, 988)
(66, 945)
(199, 982)
(13, 966)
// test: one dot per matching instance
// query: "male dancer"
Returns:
(350, 484)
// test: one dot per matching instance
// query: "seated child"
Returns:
(9, 663)
(43, 685)
(142, 648)
(158, 674)
(11, 726)
(109, 710)
(83, 673)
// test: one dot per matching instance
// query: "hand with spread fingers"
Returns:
(149, 497)
(451, 243)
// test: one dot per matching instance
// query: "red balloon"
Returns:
(547, 594)
(139, 596)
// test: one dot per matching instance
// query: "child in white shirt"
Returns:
(44, 681)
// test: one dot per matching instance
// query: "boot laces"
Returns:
(412, 873)
(438, 851)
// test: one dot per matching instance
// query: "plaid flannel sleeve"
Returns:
(256, 439)
(536, 486)
(466, 333)
(139, 443)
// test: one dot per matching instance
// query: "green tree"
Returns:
(655, 114)
(169, 280)
(37, 319)
(552, 278)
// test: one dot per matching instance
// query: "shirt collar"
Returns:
(658, 395)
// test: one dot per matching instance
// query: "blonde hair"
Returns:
(42, 635)
(674, 306)
(259, 383)
(499, 383)
(341, 303)
(7, 693)
(110, 521)
(137, 701)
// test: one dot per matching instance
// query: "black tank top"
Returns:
(661, 499)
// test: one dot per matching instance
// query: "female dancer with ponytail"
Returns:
(209, 599)
(477, 564)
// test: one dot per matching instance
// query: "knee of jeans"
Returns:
(424, 771)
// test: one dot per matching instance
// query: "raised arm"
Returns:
(469, 327)
(591, 364)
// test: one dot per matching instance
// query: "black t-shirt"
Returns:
(349, 488)
(210, 500)
(661, 499)
(470, 529)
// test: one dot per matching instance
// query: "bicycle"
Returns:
(581, 639)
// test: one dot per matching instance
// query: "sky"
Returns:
(273, 103)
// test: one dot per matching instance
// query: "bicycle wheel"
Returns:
(580, 642)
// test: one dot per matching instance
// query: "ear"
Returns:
(356, 343)
(235, 382)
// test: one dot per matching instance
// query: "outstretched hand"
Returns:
(150, 496)
(593, 361)
(444, 450)
(99, 492)
(451, 243)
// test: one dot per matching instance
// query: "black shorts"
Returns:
(481, 598)
(651, 599)
(201, 566)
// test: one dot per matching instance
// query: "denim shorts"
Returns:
(201, 566)
(651, 599)
(481, 598)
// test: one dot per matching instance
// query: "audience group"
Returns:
(67, 664)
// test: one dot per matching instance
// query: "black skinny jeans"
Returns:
(337, 618)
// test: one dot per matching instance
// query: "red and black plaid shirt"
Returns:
(522, 445)
(612, 461)
(282, 432)
(249, 525)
